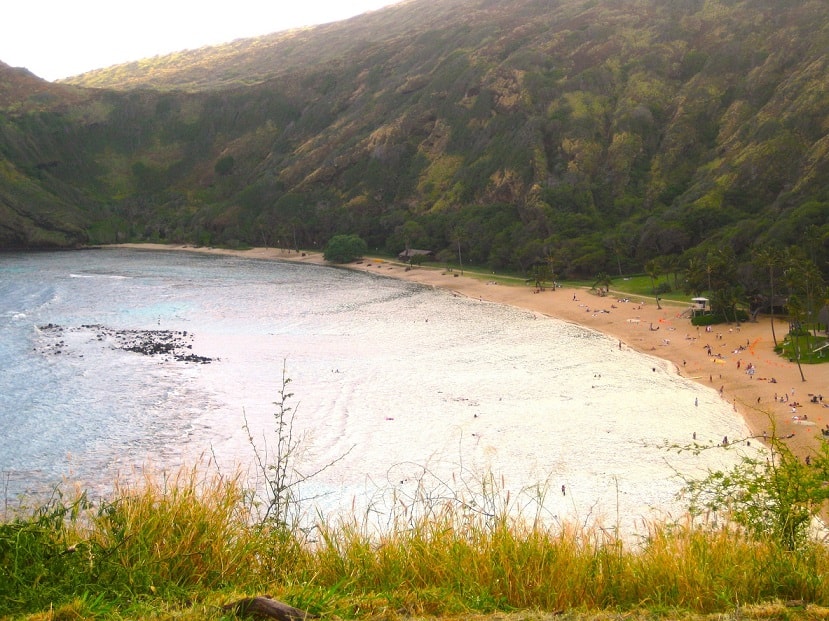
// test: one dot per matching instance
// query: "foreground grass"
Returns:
(183, 547)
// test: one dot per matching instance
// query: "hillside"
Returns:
(603, 134)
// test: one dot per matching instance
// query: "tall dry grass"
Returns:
(187, 539)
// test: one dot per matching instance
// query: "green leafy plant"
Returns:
(345, 248)
(769, 494)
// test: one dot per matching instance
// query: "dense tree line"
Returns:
(596, 138)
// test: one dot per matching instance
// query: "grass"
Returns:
(638, 285)
(183, 546)
(809, 348)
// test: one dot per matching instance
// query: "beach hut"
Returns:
(823, 318)
(412, 254)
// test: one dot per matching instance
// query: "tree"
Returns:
(224, 165)
(603, 281)
(725, 290)
(457, 236)
(670, 266)
(617, 246)
(695, 276)
(411, 232)
(653, 269)
(795, 328)
(805, 279)
(541, 273)
(772, 494)
(345, 248)
(770, 258)
(808, 288)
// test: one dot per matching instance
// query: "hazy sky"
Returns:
(58, 38)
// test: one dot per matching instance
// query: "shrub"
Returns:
(711, 319)
(772, 495)
(345, 248)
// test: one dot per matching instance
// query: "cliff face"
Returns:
(605, 134)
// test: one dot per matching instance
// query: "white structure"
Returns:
(700, 306)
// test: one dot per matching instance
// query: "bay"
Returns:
(394, 384)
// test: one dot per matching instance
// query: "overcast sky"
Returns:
(58, 38)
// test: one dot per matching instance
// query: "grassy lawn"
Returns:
(811, 348)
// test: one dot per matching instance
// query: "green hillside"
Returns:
(601, 133)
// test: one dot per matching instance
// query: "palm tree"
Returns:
(770, 258)
(796, 312)
(653, 269)
(670, 266)
(457, 236)
(695, 276)
(805, 279)
(815, 287)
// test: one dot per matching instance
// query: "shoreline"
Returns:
(639, 325)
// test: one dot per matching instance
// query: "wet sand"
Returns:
(638, 324)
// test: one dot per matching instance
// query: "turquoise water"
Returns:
(393, 383)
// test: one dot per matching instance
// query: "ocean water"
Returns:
(393, 384)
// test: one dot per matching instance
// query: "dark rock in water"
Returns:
(170, 344)
(193, 358)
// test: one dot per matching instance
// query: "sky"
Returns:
(58, 38)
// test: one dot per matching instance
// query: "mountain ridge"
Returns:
(605, 134)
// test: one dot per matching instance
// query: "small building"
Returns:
(767, 305)
(700, 304)
(823, 318)
(422, 255)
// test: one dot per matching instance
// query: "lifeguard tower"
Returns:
(700, 306)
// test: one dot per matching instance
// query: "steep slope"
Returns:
(250, 61)
(603, 133)
(37, 210)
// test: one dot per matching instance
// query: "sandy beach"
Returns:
(762, 387)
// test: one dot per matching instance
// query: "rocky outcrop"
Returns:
(170, 344)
